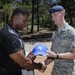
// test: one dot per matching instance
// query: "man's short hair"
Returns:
(20, 10)
(56, 9)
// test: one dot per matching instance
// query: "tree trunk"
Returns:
(37, 15)
(7, 18)
(32, 16)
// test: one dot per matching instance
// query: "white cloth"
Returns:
(26, 72)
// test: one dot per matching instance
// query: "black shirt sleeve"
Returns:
(11, 43)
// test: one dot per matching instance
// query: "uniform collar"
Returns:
(63, 27)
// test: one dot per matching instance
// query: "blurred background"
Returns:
(39, 13)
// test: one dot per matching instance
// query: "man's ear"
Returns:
(63, 12)
(15, 17)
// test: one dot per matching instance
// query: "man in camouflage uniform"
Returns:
(63, 44)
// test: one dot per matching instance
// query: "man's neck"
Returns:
(61, 23)
(12, 24)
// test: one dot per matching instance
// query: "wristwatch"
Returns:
(57, 55)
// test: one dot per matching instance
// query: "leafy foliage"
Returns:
(41, 16)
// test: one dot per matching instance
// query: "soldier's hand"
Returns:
(51, 54)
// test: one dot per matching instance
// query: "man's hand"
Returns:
(31, 56)
(51, 54)
(44, 66)
(45, 63)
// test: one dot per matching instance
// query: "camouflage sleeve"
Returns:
(72, 40)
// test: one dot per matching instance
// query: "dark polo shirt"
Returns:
(10, 43)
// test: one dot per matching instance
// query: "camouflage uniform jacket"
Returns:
(63, 40)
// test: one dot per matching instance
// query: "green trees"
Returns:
(69, 5)
(39, 11)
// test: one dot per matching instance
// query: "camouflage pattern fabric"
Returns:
(63, 40)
